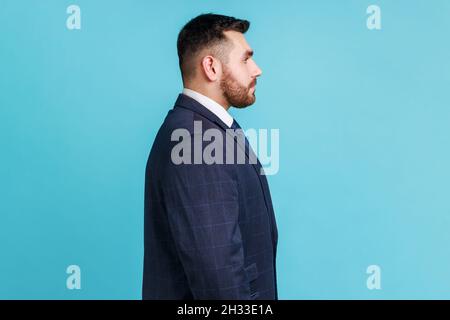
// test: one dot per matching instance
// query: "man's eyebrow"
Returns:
(248, 53)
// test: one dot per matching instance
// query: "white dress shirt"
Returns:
(211, 105)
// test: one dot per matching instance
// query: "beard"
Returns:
(236, 94)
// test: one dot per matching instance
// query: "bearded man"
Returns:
(209, 228)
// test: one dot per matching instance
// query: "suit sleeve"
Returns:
(203, 210)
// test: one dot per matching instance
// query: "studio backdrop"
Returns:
(357, 92)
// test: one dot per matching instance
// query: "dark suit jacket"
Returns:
(210, 230)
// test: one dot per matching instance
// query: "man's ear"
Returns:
(211, 68)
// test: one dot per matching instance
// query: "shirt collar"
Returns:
(211, 105)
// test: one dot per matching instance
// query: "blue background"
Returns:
(364, 134)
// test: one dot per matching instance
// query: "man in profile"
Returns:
(210, 230)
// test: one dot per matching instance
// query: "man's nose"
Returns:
(258, 71)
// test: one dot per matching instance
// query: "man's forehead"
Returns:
(238, 39)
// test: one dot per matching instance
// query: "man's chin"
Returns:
(247, 103)
(252, 99)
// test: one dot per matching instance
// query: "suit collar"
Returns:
(184, 101)
(210, 104)
(187, 102)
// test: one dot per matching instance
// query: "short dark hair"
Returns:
(204, 31)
